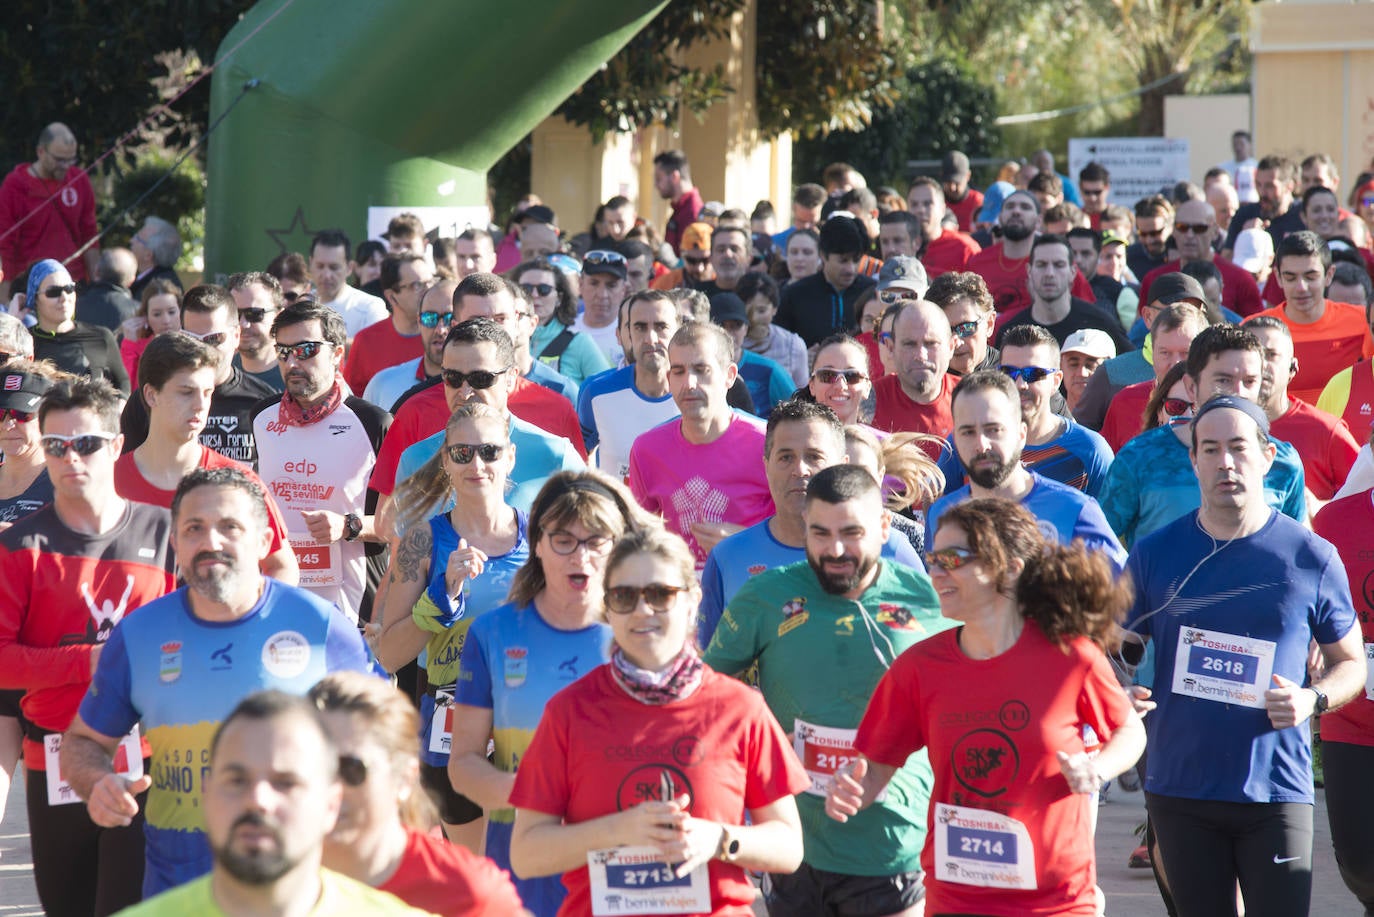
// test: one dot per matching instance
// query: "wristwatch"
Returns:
(1322, 701)
(353, 527)
(729, 845)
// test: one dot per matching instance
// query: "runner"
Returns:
(637, 781)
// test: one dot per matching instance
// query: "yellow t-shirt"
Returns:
(340, 897)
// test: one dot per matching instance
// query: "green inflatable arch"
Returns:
(335, 106)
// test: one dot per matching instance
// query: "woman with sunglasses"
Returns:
(555, 307)
(71, 346)
(24, 482)
(1010, 823)
(1169, 403)
(517, 656)
(640, 776)
(159, 310)
(381, 837)
(447, 572)
(840, 380)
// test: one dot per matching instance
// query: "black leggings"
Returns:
(80, 868)
(1350, 809)
(1207, 845)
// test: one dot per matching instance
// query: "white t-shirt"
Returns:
(604, 338)
(1242, 172)
(358, 309)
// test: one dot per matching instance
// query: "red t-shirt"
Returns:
(950, 252)
(598, 751)
(1346, 523)
(446, 879)
(992, 728)
(376, 347)
(425, 413)
(132, 485)
(896, 411)
(967, 209)
(63, 219)
(1239, 292)
(1338, 339)
(1007, 281)
(875, 358)
(1324, 443)
(1126, 414)
(685, 210)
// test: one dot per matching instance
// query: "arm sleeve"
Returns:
(1101, 702)
(1333, 614)
(21, 665)
(108, 707)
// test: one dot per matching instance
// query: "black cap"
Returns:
(1176, 287)
(727, 307)
(954, 166)
(539, 213)
(21, 391)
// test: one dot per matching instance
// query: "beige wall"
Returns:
(1207, 123)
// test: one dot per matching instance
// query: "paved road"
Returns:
(1130, 892)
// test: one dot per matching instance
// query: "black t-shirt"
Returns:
(104, 304)
(35, 497)
(228, 429)
(813, 309)
(1142, 262)
(86, 350)
(1082, 314)
(1279, 227)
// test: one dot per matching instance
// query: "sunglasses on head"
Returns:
(56, 445)
(17, 415)
(463, 453)
(435, 319)
(1028, 374)
(851, 377)
(949, 558)
(212, 339)
(58, 292)
(891, 297)
(536, 289)
(478, 379)
(965, 329)
(658, 596)
(1177, 407)
(352, 770)
(603, 257)
(305, 350)
(254, 314)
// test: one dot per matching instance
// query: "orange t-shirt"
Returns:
(1337, 340)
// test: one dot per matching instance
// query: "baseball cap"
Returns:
(728, 307)
(1176, 287)
(697, 238)
(954, 166)
(565, 263)
(1112, 237)
(21, 391)
(905, 272)
(712, 209)
(602, 261)
(1091, 342)
(539, 214)
(1254, 250)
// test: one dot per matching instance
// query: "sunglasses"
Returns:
(56, 445)
(16, 415)
(534, 289)
(305, 350)
(254, 314)
(212, 339)
(59, 292)
(463, 453)
(949, 558)
(1177, 407)
(1196, 229)
(1150, 233)
(695, 262)
(352, 770)
(566, 543)
(435, 319)
(1028, 374)
(292, 297)
(603, 257)
(966, 329)
(893, 296)
(851, 377)
(478, 379)
(659, 597)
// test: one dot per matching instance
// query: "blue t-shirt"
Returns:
(481, 594)
(1151, 483)
(768, 383)
(744, 555)
(1064, 514)
(1078, 457)
(1283, 585)
(513, 662)
(181, 675)
(537, 456)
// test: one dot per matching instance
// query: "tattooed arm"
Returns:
(401, 640)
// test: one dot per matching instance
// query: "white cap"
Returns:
(1090, 342)
(1254, 250)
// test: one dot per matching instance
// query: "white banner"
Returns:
(1139, 166)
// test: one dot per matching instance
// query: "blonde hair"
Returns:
(422, 494)
(918, 480)
(657, 541)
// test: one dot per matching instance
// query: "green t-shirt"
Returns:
(340, 895)
(820, 657)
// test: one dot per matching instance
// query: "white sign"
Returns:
(440, 222)
(1139, 166)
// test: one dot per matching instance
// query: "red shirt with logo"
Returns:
(63, 219)
(1346, 523)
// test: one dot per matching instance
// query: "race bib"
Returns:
(1369, 672)
(825, 750)
(974, 847)
(441, 724)
(1215, 666)
(635, 880)
(128, 763)
(321, 564)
